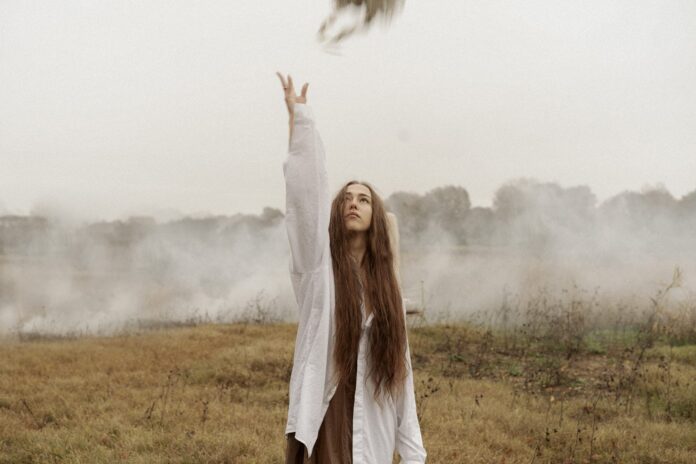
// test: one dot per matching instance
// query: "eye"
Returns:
(364, 199)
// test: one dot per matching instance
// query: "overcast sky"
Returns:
(111, 108)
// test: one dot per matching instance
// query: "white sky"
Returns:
(109, 108)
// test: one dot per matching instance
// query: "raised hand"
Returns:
(290, 97)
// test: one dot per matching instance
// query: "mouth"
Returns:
(353, 216)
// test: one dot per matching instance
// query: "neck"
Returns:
(357, 246)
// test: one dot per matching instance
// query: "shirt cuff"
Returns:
(302, 112)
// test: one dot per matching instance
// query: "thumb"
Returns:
(304, 89)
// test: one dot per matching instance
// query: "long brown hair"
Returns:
(388, 331)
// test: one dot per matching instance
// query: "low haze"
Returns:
(457, 261)
(526, 147)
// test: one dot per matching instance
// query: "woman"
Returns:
(351, 389)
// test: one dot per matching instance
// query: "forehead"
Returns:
(357, 189)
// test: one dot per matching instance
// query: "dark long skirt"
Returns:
(334, 443)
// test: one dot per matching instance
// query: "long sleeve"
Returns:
(307, 223)
(307, 194)
(409, 442)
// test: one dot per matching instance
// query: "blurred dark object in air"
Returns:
(370, 9)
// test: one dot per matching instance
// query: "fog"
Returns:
(58, 276)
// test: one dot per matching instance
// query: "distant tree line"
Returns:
(527, 212)
(524, 212)
(33, 235)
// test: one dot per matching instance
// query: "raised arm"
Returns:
(307, 201)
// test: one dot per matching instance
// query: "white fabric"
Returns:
(377, 431)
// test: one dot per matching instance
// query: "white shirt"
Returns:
(377, 431)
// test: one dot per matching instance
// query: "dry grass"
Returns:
(218, 393)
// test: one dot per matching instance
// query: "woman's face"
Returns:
(357, 208)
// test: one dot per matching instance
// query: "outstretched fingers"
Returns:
(282, 81)
(289, 88)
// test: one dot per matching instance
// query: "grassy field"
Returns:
(218, 393)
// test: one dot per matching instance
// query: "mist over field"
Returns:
(61, 277)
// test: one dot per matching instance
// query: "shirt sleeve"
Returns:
(307, 205)
(409, 442)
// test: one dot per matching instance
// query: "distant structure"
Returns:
(415, 308)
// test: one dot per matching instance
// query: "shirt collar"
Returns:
(368, 322)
